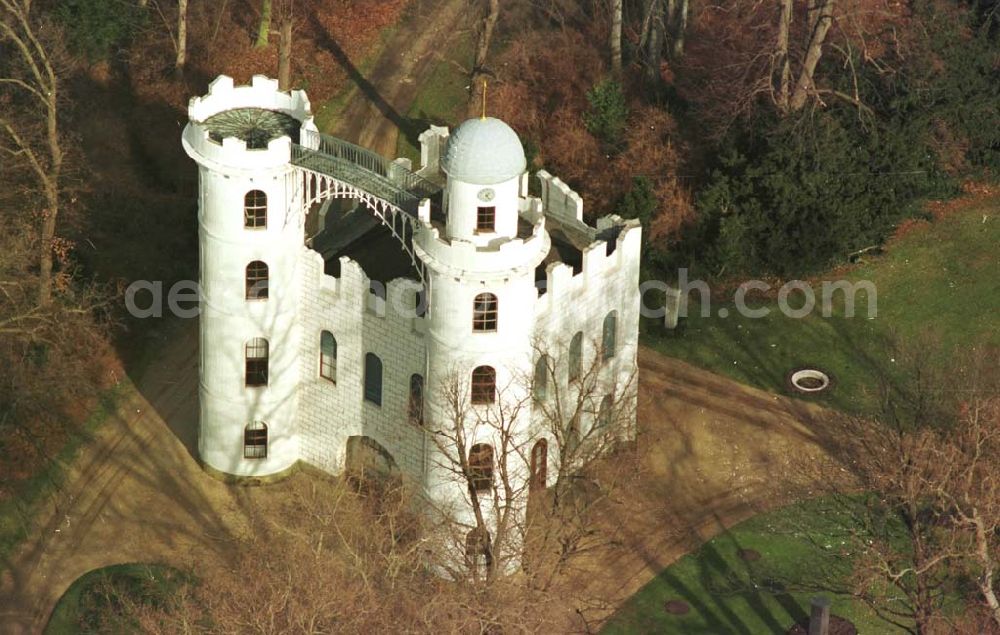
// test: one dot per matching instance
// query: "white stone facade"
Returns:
(543, 300)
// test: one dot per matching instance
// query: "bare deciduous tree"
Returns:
(181, 59)
(480, 72)
(540, 503)
(286, 27)
(677, 17)
(653, 34)
(31, 132)
(935, 515)
(616, 39)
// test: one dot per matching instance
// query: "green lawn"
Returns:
(90, 602)
(938, 291)
(804, 551)
(441, 99)
(326, 114)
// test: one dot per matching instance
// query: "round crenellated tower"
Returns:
(481, 275)
(250, 232)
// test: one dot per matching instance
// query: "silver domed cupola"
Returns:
(484, 151)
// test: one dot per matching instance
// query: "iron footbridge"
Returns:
(334, 168)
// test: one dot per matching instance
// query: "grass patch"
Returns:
(329, 112)
(804, 551)
(441, 99)
(94, 601)
(938, 283)
(17, 513)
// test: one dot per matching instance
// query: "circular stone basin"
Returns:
(677, 607)
(749, 555)
(809, 380)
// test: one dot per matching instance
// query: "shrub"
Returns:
(639, 201)
(608, 114)
(96, 28)
(791, 196)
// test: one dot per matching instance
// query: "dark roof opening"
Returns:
(256, 126)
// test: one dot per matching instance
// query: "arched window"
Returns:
(416, 405)
(373, 379)
(255, 210)
(484, 385)
(481, 467)
(605, 412)
(539, 464)
(484, 313)
(540, 385)
(609, 335)
(576, 356)
(256, 362)
(328, 356)
(256, 280)
(255, 440)
(478, 549)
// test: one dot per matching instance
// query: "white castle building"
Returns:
(343, 294)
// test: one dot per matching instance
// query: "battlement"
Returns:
(432, 145)
(559, 200)
(464, 255)
(213, 136)
(262, 92)
(601, 259)
(351, 286)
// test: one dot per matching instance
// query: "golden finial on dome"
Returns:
(484, 100)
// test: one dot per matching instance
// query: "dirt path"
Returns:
(134, 494)
(713, 453)
(377, 110)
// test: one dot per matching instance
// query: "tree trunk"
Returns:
(476, 90)
(616, 39)
(678, 28)
(647, 15)
(285, 55)
(654, 47)
(781, 58)
(989, 567)
(47, 235)
(218, 20)
(264, 30)
(823, 20)
(182, 7)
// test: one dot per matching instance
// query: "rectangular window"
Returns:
(255, 441)
(373, 379)
(486, 219)
(256, 362)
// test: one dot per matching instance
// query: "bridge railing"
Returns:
(372, 162)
